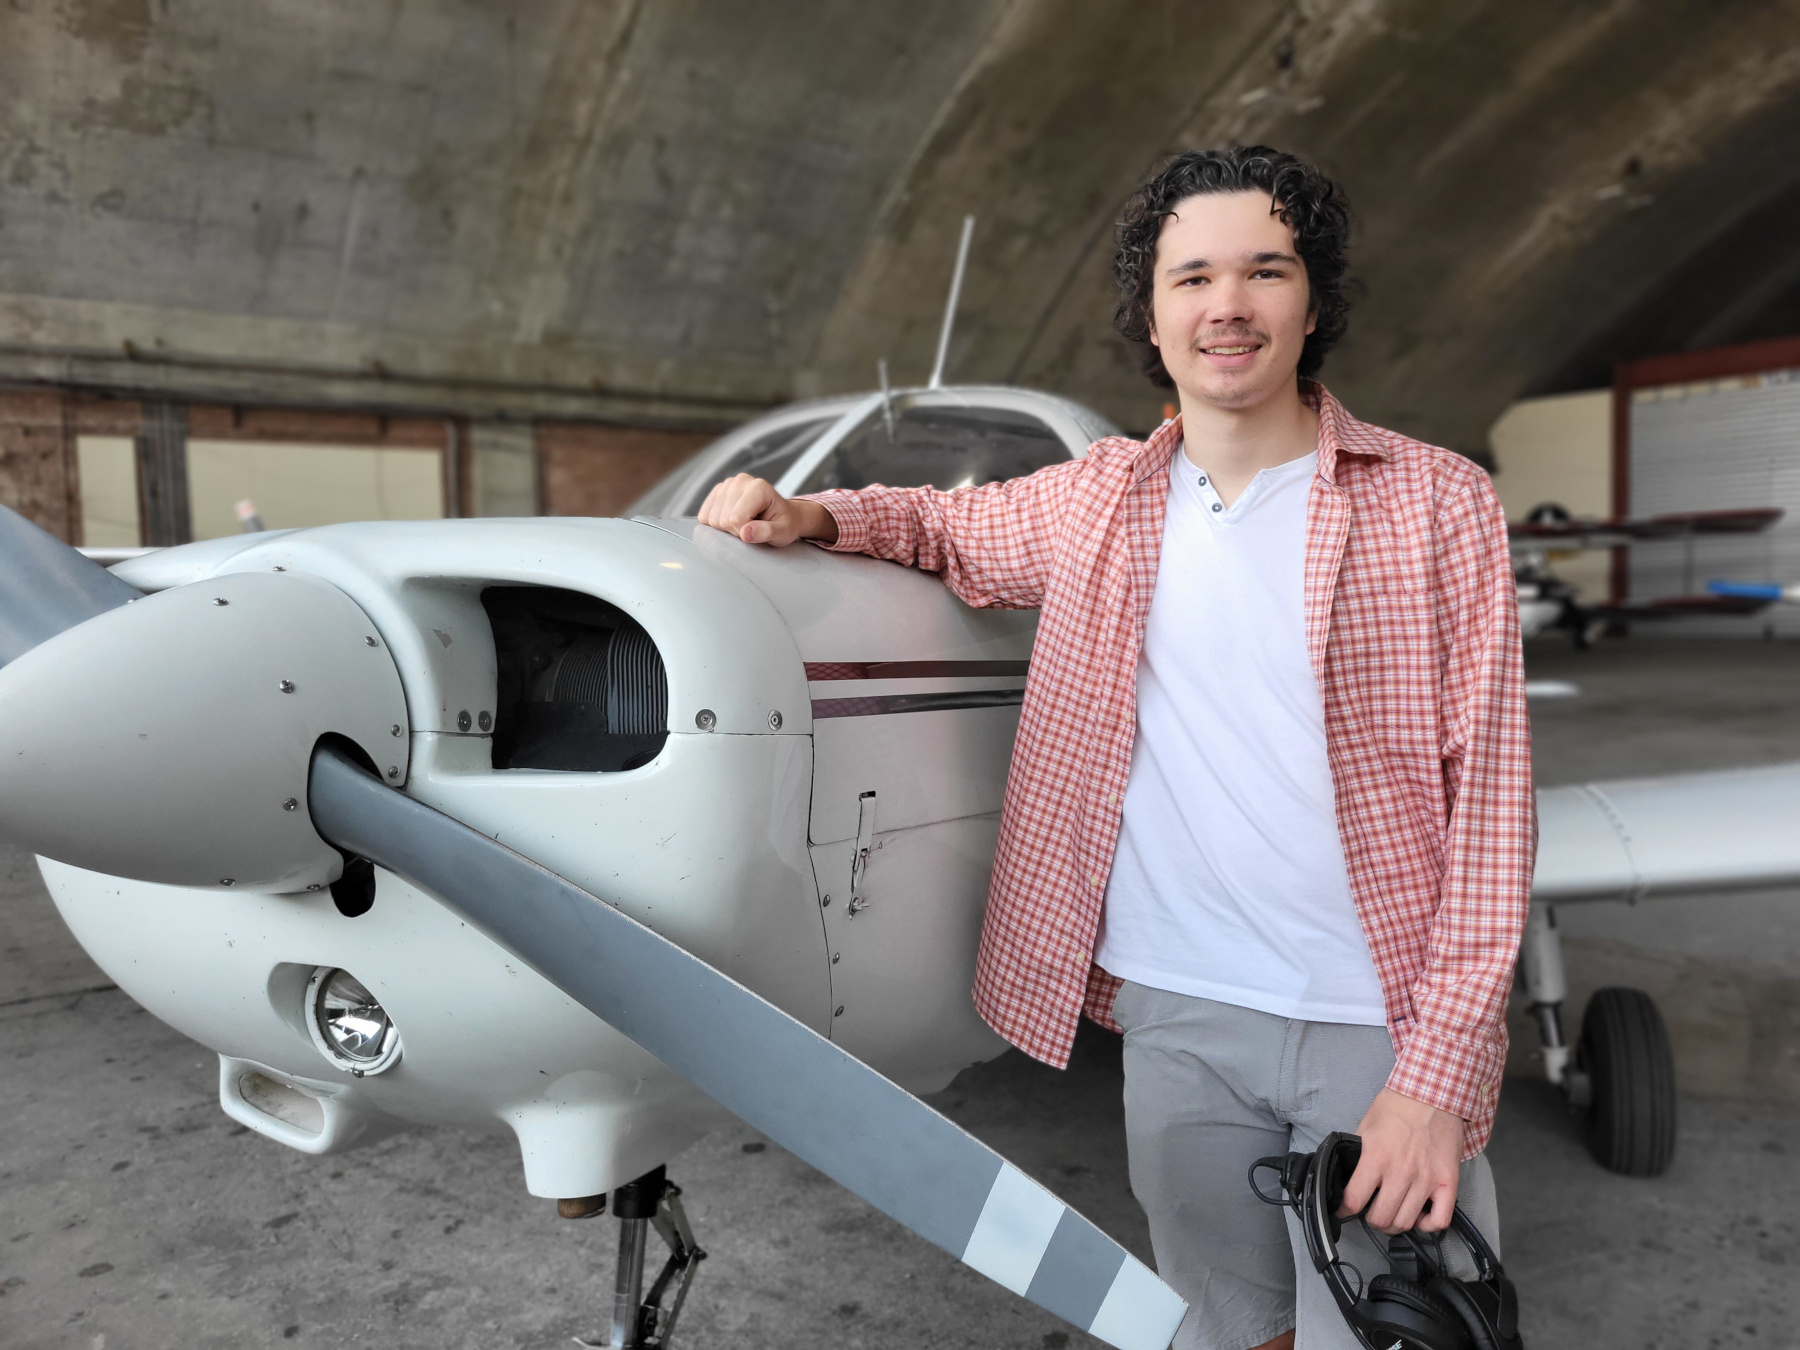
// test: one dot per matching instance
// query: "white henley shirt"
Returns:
(1229, 880)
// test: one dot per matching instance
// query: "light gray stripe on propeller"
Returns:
(46, 586)
(777, 1074)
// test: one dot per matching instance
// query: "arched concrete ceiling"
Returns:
(689, 208)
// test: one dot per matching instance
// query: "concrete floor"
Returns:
(134, 1214)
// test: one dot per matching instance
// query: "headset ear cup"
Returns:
(1412, 1311)
(1469, 1313)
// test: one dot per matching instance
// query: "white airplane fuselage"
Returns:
(736, 840)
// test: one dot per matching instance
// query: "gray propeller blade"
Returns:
(772, 1071)
(46, 586)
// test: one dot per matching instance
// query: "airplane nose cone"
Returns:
(169, 740)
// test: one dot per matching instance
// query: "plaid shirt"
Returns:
(1412, 626)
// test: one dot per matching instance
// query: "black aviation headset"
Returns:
(1416, 1304)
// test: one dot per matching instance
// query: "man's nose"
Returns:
(1228, 302)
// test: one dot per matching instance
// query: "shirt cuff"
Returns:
(852, 523)
(1457, 1074)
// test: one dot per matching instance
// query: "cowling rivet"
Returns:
(706, 719)
(286, 686)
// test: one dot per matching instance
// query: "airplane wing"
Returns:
(807, 1094)
(1768, 592)
(1681, 606)
(1577, 533)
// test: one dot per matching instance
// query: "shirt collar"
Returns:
(1339, 434)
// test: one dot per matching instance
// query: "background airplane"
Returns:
(1546, 601)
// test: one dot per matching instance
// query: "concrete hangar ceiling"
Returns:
(684, 210)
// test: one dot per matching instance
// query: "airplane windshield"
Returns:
(939, 447)
(768, 456)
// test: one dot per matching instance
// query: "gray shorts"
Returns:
(1209, 1089)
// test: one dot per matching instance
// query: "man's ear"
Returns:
(1151, 322)
(1312, 320)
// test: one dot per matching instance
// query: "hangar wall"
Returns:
(1559, 449)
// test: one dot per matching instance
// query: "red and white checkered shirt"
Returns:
(1412, 627)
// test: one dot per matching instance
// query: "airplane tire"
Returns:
(1625, 1053)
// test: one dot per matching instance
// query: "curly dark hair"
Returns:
(1306, 200)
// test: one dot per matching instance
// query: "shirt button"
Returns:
(1217, 507)
(1096, 881)
(1202, 480)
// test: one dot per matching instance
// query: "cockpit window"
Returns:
(768, 456)
(939, 447)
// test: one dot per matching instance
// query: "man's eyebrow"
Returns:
(1182, 269)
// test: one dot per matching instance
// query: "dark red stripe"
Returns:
(884, 704)
(910, 670)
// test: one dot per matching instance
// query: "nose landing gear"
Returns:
(639, 1321)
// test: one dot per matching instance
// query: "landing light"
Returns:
(348, 1026)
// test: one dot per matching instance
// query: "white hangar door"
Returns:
(1718, 445)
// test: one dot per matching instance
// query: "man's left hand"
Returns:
(1411, 1154)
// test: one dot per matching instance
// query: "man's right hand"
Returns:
(751, 509)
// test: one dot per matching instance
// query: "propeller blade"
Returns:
(47, 587)
(775, 1073)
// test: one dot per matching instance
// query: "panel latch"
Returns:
(859, 861)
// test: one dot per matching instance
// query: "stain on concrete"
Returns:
(121, 28)
(145, 107)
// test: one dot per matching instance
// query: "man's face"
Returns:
(1231, 308)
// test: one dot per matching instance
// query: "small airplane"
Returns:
(1547, 601)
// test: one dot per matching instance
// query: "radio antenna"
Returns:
(887, 399)
(956, 279)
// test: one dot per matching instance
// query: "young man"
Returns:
(1270, 806)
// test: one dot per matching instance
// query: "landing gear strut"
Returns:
(638, 1319)
(1622, 1074)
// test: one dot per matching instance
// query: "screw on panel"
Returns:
(836, 957)
(706, 719)
(371, 641)
(393, 771)
(227, 881)
(315, 886)
(280, 569)
(394, 730)
(839, 1012)
(291, 804)
(775, 721)
(286, 686)
(463, 721)
(825, 903)
(485, 721)
(221, 601)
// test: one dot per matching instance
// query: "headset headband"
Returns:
(1417, 1304)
